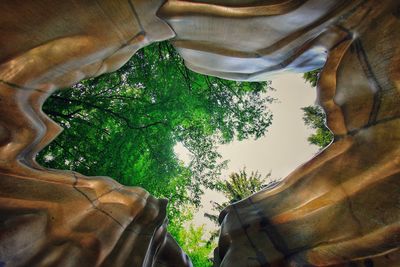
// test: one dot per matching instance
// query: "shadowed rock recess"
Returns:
(342, 208)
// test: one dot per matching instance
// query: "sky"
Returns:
(283, 148)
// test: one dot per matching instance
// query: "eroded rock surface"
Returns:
(62, 218)
(339, 209)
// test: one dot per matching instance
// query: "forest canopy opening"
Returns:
(126, 124)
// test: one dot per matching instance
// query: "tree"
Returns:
(198, 249)
(241, 185)
(312, 77)
(125, 125)
(238, 186)
(314, 117)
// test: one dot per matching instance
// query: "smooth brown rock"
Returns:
(62, 218)
(339, 209)
(342, 207)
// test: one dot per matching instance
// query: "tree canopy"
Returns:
(312, 77)
(198, 249)
(238, 186)
(314, 116)
(126, 124)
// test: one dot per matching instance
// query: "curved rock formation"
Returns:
(339, 209)
(342, 207)
(61, 218)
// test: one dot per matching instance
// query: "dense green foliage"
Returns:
(238, 186)
(126, 124)
(198, 249)
(312, 77)
(314, 117)
(241, 185)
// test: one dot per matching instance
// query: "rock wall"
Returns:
(339, 209)
(62, 218)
